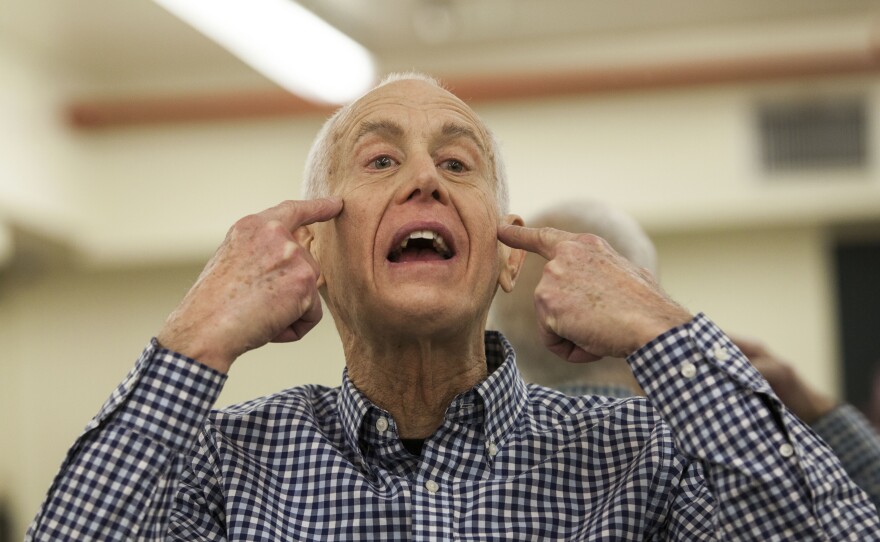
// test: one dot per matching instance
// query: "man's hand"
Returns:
(260, 286)
(591, 302)
(805, 402)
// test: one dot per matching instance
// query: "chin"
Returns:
(429, 314)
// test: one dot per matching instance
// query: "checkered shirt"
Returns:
(717, 457)
(600, 388)
(847, 432)
(856, 443)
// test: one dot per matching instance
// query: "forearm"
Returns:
(767, 472)
(117, 479)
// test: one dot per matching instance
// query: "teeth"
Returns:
(423, 234)
(439, 243)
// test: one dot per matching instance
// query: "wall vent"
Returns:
(814, 135)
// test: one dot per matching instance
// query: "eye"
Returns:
(453, 165)
(382, 162)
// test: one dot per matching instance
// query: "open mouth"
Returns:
(420, 246)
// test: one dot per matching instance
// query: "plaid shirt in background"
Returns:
(716, 457)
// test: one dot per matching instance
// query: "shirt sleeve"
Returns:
(770, 477)
(119, 478)
(856, 443)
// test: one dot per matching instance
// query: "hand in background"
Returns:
(804, 401)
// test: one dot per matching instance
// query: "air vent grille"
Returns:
(814, 135)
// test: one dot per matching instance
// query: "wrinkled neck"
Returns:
(416, 378)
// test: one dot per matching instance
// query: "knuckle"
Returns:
(290, 206)
(546, 234)
(244, 228)
(292, 251)
(590, 239)
(305, 274)
(272, 233)
(247, 223)
(543, 296)
(554, 267)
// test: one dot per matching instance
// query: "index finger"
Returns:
(293, 214)
(541, 241)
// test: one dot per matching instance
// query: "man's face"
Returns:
(415, 244)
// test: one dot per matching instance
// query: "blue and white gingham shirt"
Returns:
(847, 432)
(716, 457)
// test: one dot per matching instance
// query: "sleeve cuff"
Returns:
(166, 396)
(706, 390)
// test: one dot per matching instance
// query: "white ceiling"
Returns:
(114, 40)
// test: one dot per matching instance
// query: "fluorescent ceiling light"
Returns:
(285, 42)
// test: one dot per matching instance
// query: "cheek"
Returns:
(483, 213)
(322, 243)
(354, 230)
(354, 184)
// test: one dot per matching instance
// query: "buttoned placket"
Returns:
(433, 489)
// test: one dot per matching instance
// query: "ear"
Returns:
(305, 236)
(511, 258)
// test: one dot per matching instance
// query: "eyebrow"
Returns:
(453, 130)
(391, 130)
(384, 128)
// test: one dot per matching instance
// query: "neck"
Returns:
(416, 378)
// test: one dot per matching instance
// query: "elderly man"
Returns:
(433, 435)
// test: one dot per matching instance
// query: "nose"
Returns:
(423, 183)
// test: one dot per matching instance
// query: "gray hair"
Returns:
(622, 231)
(320, 161)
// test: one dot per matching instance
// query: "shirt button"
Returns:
(492, 449)
(688, 370)
(382, 424)
(786, 450)
(432, 486)
(721, 354)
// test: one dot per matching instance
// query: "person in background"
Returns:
(841, 425)
(846, 430)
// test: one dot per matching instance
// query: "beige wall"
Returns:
(142, 209)
(770, 284)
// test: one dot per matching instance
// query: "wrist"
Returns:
(196, 350)
(660, 323)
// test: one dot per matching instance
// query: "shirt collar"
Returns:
(503, 395)
(617, 391)
(352, 407)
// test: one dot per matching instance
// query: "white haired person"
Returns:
(847, 431)
(433, 434)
